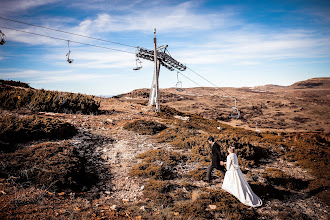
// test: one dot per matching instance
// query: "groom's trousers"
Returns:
(210, 169)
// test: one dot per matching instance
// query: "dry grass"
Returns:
(16, 129)
(312, 152)
(226, 205)
(50, 180)
(279, 178)
(252, 148)
(49, 101)
(158, 164)
(145, 127)
(63, 168)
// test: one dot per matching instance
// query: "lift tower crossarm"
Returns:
(164, 59)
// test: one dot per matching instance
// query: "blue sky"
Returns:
(231, 43)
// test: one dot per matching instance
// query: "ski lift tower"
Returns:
(160, 56)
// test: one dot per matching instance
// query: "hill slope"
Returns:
(127, 162)
(303, 106)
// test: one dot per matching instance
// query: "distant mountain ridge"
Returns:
(323, 83)
(313, 83)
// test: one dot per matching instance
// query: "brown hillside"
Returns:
(314, 83)
(303, 106)
(125, 161)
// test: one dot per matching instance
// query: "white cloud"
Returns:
(106, 5)
(32, 39)
(248, 63)
(22, 74)
(255, 47)
(17, 6)
(42, 77)
(177, 18)
(68, 78)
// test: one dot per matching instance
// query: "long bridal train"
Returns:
(236, 184)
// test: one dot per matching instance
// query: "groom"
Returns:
(217, 159)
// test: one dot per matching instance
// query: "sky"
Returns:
(230, 43)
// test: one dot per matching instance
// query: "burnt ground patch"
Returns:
(38, 174)
(64, 165)
(145, 127)
(16, 129)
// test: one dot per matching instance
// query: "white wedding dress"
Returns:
(236, 184)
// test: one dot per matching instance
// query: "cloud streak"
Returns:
(256, 47)
(177, 18)
(18, 6)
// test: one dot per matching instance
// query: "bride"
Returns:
(235, 183)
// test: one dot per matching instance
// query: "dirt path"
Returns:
(120, 157)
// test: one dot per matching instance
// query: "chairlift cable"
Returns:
(66, 32)
(209, 81)
(190, 79)
(77, 42)
(235, 112)
(166, 49)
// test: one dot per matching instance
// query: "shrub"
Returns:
(48, 164)
(193, 209)
(198, 174)
(145, 127)
(311, 151)
(227, 205)
(168, 158)
(288, 213)
(268, 192)
(183, 138)
(279, 178)
(14, 83)
(152, 170)
(14, 129)
(158, 191)
(49, 101)
(168, 112)
(157, 164)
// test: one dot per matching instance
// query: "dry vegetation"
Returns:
(16, 129)
(301, 107)
(145, 127)
(17, 98)
(253, 149)
(127, 162)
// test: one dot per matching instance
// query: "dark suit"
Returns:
(217, 156)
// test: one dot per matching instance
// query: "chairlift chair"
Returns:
(138, 64)
(178, 85)
(2, 38)
(68, 54)
(258, 131)
(235, 112)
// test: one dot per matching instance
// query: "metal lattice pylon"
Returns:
(160, 57)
